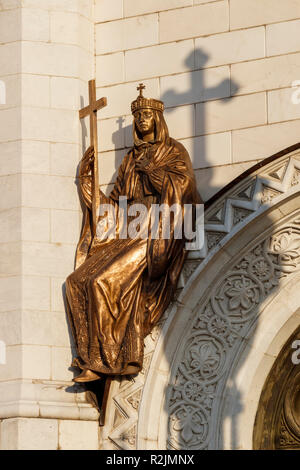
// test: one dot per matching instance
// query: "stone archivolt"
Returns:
(228, 314)
(219, 329)
(246, 198)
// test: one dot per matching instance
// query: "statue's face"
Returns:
(144, 120)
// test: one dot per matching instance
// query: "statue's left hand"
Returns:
(143, 164)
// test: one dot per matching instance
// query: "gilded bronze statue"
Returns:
(122, 286)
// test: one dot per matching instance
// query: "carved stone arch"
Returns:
(241, 404)
(196, 360)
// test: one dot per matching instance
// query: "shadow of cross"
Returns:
(119, 137)
(196, 92)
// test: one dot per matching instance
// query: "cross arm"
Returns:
(92, 107)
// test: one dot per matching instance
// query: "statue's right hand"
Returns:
(89, 155)
(87, 161)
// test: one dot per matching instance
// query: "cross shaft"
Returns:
(91, 111)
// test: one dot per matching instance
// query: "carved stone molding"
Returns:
(234, 208)
(219, 329)
(45, 399)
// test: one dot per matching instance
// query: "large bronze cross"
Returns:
(91, 111)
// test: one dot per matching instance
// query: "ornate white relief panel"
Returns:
(219, 329)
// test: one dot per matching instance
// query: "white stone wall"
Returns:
(46, 60)
(49, 434)
(223, 68)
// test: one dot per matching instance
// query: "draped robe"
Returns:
(121, 287)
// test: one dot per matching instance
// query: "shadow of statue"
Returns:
(198, 91)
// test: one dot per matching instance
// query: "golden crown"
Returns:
(142, 102)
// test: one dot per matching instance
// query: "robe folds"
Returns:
(121, 287)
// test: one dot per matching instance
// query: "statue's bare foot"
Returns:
(87, 375)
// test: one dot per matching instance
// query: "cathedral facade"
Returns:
(221, 369)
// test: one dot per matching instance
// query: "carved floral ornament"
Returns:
(219, 329)
(229, 311)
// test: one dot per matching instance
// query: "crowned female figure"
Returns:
(122, 285)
